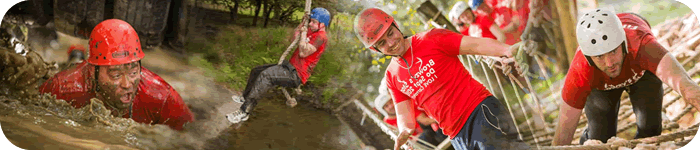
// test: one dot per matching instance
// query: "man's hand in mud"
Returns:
(24, 71)
(402, 139)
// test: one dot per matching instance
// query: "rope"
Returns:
(510, 111)
(305, 22)
(615, 145)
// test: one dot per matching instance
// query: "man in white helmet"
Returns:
(469, 24)
(617, 52)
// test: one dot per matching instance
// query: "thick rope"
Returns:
(305, 22)
(615, 145)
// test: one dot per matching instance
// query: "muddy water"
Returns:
(44, 122)
(273, 125)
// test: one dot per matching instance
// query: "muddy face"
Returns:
(118, 84)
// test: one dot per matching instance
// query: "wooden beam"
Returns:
(565, 12)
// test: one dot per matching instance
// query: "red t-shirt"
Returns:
(481, 27)
(438, 82)
(306, 65)
(502, 16)
(156, 101)
(583, 77)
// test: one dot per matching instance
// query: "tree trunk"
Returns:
(234, 11)
(267, 13)
(257, 12)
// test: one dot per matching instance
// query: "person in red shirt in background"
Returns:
(426, 128)
(425, 72)
(618, 52)
(289, 74)
(509, 22)
(113, 74)
(476, 26)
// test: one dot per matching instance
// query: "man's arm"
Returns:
(568, 120)
(498, 33)
(483, 46)
(175, 112)
(306, 48)
(406, 122)
(424, 119)
(672, 73)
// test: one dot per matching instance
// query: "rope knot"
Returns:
(619, 142)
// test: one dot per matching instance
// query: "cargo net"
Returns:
(535, 125)
(680, 36)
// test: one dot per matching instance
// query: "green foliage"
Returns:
(231, 55)
(655, 11)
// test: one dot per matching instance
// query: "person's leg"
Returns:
(601, 110)
(428, 135)
(254, 73)
(647, 99)
(266, 79)
(488, 127)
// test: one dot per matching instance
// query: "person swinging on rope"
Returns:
(616, 53)
(425, 71)
(290, 73)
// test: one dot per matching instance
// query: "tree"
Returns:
(258, 5)
(270, 4)
(232, 5)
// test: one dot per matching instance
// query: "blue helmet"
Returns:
(475, 3)
(321, 14)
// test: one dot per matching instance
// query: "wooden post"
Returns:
(564, 13)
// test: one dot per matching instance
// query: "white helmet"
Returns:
(457, 10)
(599, 32)
(382, 98)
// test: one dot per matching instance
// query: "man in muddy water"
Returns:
(113, 73)
(425, 71)
(289, 74)
(618, 52)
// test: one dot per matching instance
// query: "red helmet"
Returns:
(371, 24)
(77, 47)
(114, 42)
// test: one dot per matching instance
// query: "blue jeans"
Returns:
(488, 127)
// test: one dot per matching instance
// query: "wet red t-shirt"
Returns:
(306, 64)
(156, 101)
(583, 77)
(481, 27)
(438, 82)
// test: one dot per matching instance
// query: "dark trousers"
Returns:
(602, 108)
(264, 77)
(430, 136)
(489, 127)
